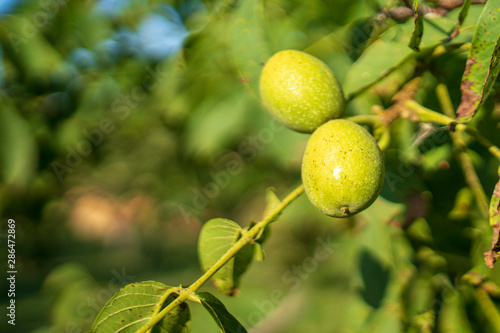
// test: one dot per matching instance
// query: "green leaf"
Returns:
(463, 203)
(495, 205)
(373, 65)
(453, 315)
(420, 230)
(464, 10)
(69, 283)
(248, 44)
(206, 134)
(418, 31)
(482, 65)
(272, 203)
(376, 236)
(259, 254)
(31, 52)
(385, 320)
(135, 304)
(376, 63)
(216, 237)
(491, 256)
(18, 148)
(226, 321)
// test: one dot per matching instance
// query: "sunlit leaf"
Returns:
(134, 305)
(272, 202)
(226, 321)
(259, 254)
(216, 237)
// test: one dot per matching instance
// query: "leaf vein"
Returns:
(124, 309)
(132, 323)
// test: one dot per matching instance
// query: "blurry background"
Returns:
(126, 124)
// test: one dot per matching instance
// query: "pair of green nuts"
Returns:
(342, 167)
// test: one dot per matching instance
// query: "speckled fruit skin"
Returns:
(300, 91)
(342, 168)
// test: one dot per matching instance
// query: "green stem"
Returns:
(250, 235)
(380, 130)
(444, 99)
(447, 107)
(160, 304)
(470, 173)
(371, 120)
(468, 169)
(186, 293)
(489, 308)
(494, 150)
(385, 74)
(427, 115)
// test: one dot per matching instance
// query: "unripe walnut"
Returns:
(342, 168)
(300, 91)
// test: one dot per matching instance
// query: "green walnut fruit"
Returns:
(300, 91)
(342, 168)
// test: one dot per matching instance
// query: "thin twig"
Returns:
(187, 293)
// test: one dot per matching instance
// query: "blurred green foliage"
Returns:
(125, 125)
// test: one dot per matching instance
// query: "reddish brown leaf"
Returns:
(491, 256)
(482, 62)
(495, 205)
